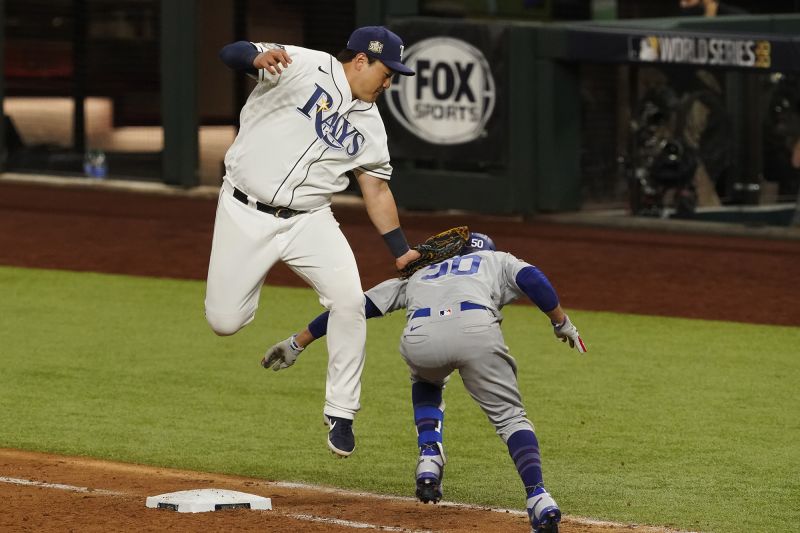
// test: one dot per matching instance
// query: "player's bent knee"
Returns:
(227, 324)
(225, 327)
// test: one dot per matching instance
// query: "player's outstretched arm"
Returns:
(535, 284)
(284, 354)
(382, 211)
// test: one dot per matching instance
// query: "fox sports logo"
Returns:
(452, 96)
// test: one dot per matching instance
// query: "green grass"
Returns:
(683, 423)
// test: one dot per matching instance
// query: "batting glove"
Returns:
(567, 332)
(282, 355)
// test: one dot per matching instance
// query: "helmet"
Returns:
(478, 242)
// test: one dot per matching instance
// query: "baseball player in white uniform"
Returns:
(453, 323)
(309, 122)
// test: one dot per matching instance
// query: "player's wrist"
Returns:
(294, 345)
(396, 242)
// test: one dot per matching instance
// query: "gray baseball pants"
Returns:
(471, 342)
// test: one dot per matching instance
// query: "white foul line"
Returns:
(59, 486)
(354, 525)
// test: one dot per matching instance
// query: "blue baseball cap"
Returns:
(380, 43)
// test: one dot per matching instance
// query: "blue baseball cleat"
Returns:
(544, 513)
(341, 440)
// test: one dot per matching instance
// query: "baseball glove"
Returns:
(441, 246)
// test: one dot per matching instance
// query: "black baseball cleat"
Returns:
(430, 471)
(429, 490)
(341, 440)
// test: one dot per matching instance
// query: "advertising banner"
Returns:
(449, 111)
(703, 50)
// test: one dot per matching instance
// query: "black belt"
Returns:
(465, 306)
(280, 212)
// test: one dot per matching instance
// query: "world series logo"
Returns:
(452, 96)
(701, 51)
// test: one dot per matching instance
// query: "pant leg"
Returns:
(318, 251)
(489, 374)
(242, 252)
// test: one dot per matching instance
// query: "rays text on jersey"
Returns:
(333, 128)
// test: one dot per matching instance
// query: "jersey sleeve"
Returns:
(508, 269)
(389, 296)
(376, 160)
(381, 170)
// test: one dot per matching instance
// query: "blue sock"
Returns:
(428, 416)
(524, 450)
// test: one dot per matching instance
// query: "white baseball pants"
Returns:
(247, 243)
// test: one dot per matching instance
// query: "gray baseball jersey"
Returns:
(485, 278)
(453, 323)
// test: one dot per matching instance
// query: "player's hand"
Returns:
(272, 60)
(282, 355)
(406, 258)
(567, 332)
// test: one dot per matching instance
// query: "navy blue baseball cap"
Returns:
(380, 43)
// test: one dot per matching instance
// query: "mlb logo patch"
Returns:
(376, 47)
(445, 312)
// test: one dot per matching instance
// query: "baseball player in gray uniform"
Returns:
(309, 122)
(453, 323)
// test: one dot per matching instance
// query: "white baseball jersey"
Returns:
(485, 278)
(301, 131)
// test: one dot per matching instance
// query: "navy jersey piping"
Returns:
(307, 172)
(333, 79)
(290, 173)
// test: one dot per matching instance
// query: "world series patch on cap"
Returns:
(380, 43)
